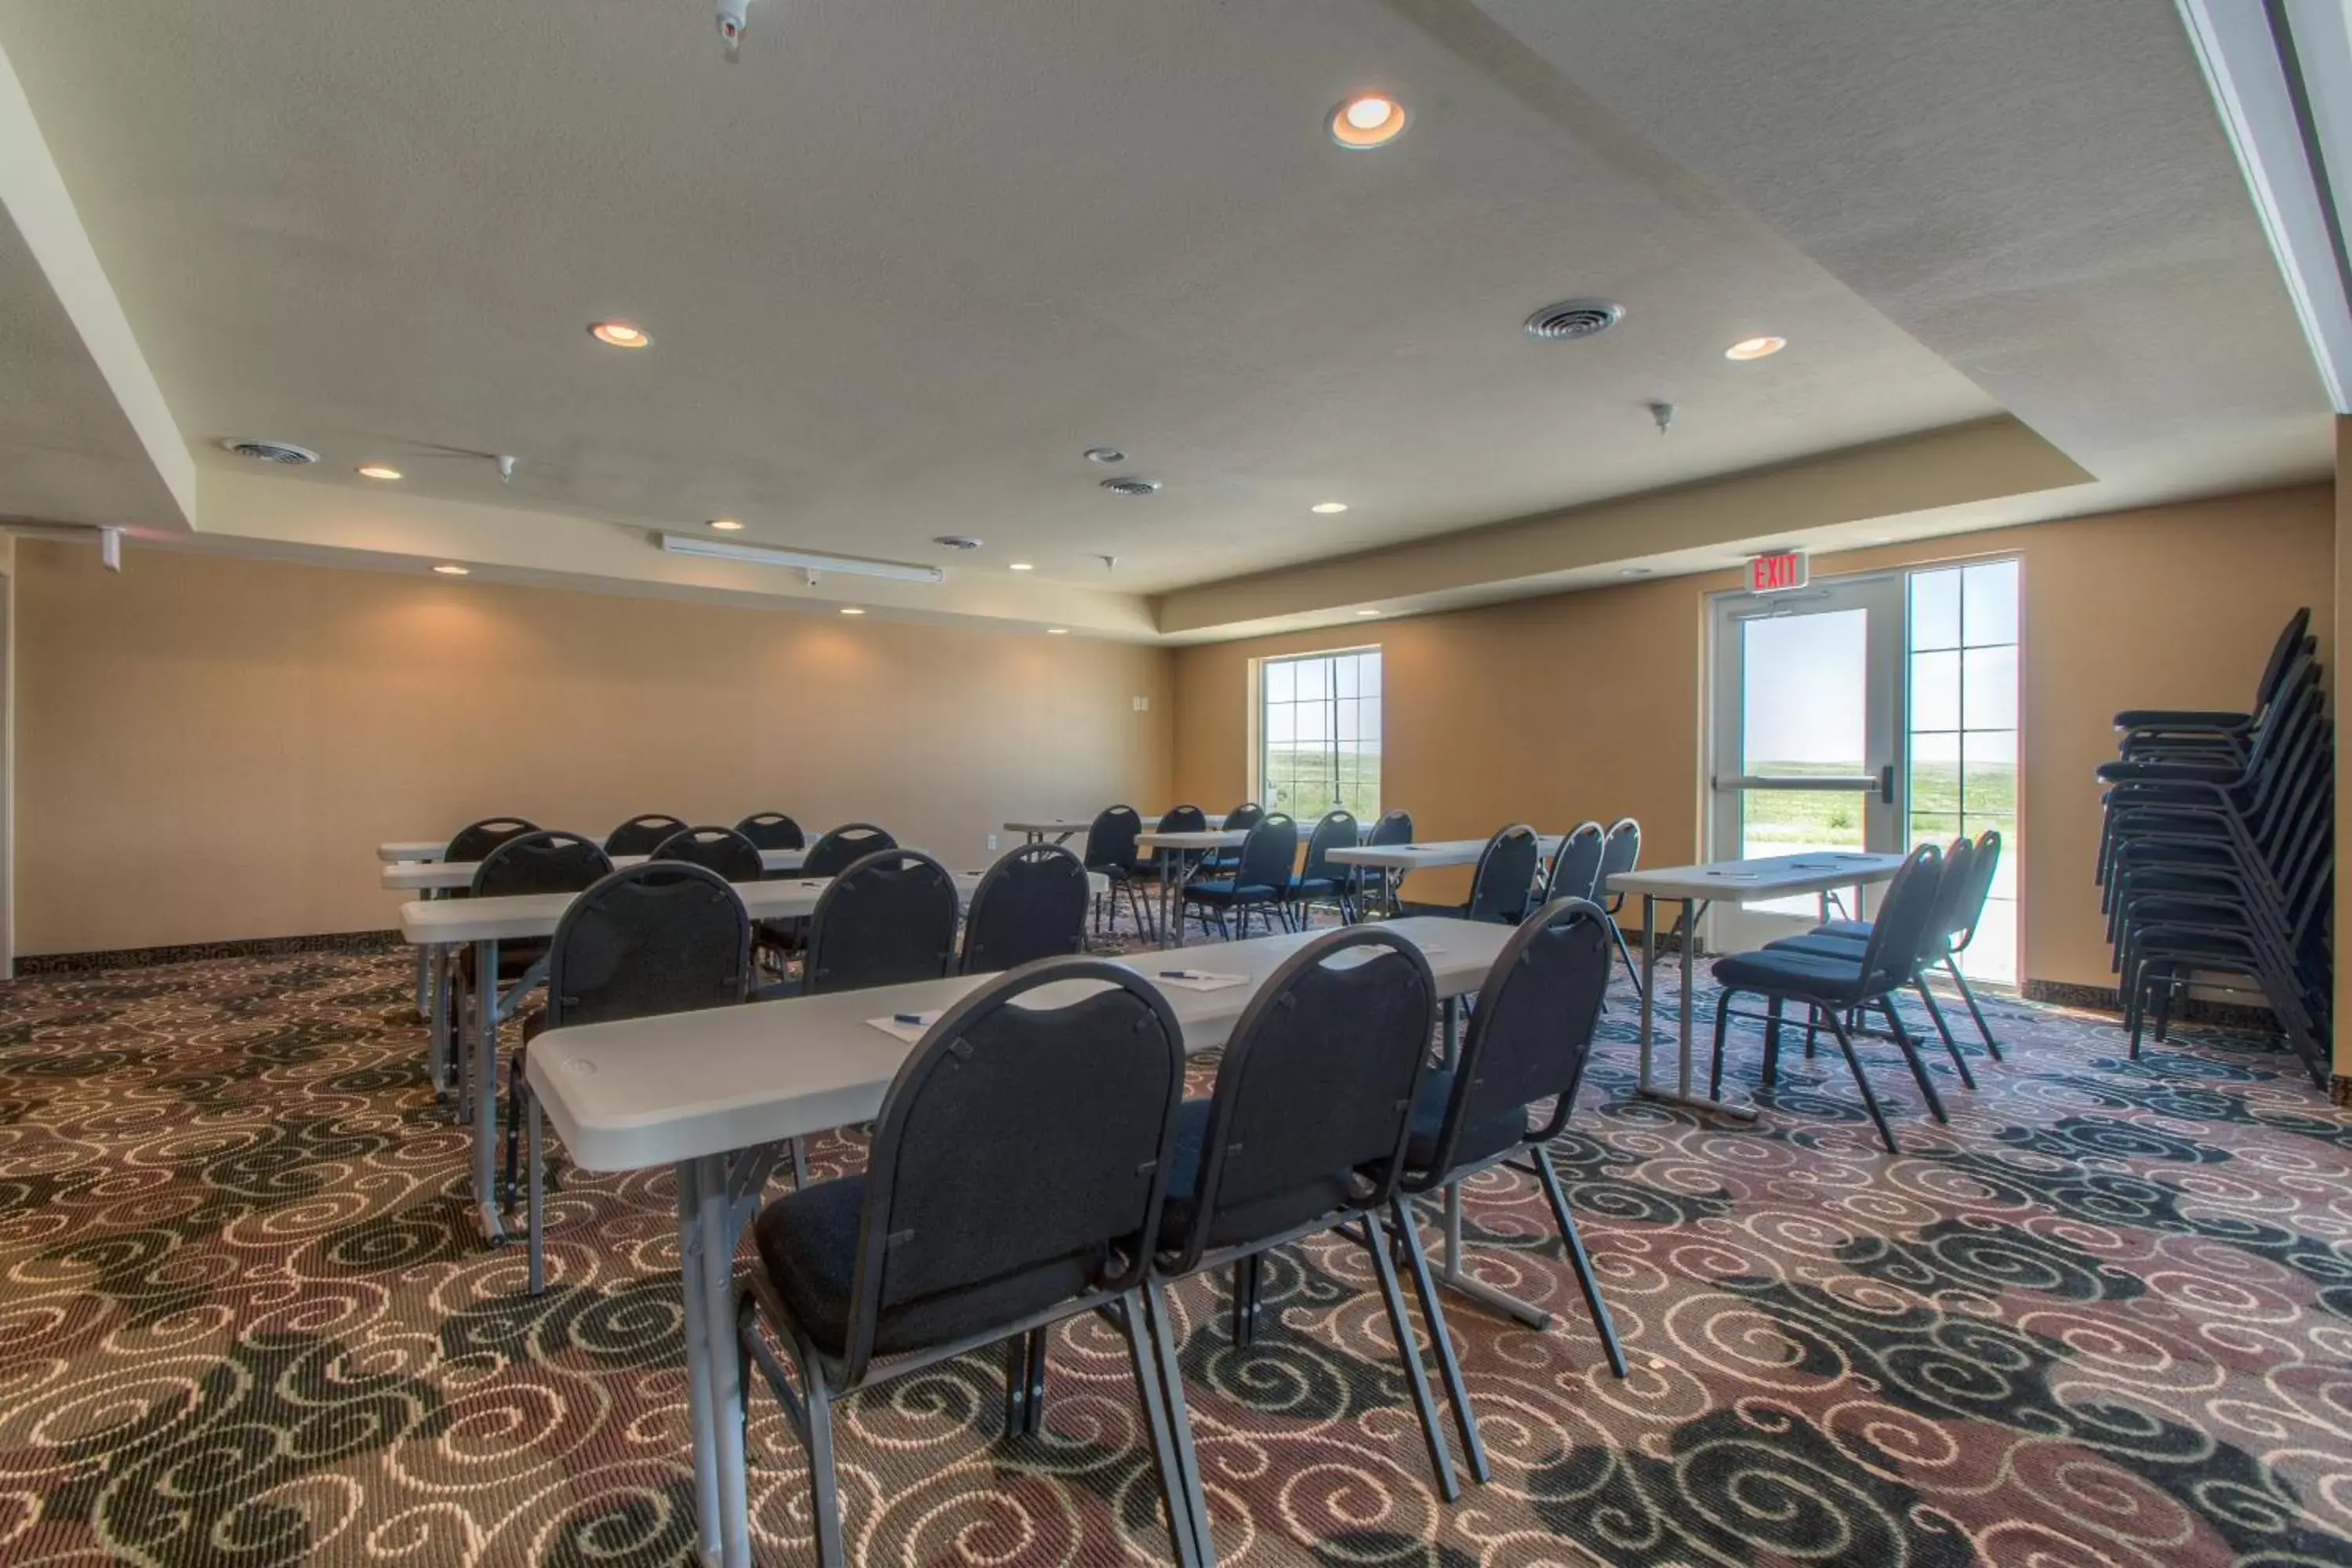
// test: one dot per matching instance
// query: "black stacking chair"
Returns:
(1241, 819)
(541, 861)
(772, 830)
(641, 835)
(721, 849)
(1318, 881)
(1504, 875)
(1260, 879)
(1619, 854)
(1031, 905)
(470, 844)
(1393, 827)
(1847, 940)
(837, 847)
(1530, 1039)
(1305, 1133)
(2156, 733)
(1022, 1154)
(1834, 988)
(887, 920)
(1111, 852)
(665, 936)
(1575, 870)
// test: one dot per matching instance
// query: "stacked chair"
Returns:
(2218, 855)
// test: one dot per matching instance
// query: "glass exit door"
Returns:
(1806, 737)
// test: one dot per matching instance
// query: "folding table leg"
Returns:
(485, 1091)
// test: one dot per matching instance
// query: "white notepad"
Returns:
(910, 1033)
(1196, 979)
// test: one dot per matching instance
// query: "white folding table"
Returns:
(413, 849)
(442, 926)
(716, 1094)
(1180, 854)
(1061, 829)
(1727, 882)
(448, 876)
(1395, 861)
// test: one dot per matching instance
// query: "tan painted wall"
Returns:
(1590, 704)
(2343, 578)
(211, 748)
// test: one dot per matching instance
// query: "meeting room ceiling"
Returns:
(902, 265)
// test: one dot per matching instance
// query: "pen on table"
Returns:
(1181, 974)
(911, 1018)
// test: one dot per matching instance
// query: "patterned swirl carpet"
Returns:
(2103, 1318)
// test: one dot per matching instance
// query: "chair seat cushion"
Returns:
(1797, 973)
(1845, 949)
(1476, 1143)
(808, 1244)
(1841, 928)
(1313, 886)
(1224, 890)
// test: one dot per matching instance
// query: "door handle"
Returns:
(1887, 784)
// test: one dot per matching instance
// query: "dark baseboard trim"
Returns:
(40, 964)
(2192, 1009)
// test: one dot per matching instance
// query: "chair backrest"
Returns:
(1622, 853)
(1576, 869)
(886, 919)
(2283, 653)
(1952, 885)
(1184, 820)
(1031, 905)
(839, 847)
(1899, 931)
(1268, 853)
(1970, 909)
(641, 835)
(1506, 876)
(1018, 1147)
(1248, 815)
(772, 830)
(1337, 830)
(542, 861)
(470, 843)
(1393, 827)
(661, 937)
(1110, 841)
(1314, 1099)
(721, 849)
(1529, 1036)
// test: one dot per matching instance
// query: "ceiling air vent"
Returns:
(1573, 319)
(1131, 486)
(271, 452)
(957, 541)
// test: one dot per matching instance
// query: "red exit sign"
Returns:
(1778, 573)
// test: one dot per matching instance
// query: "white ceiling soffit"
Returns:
(2281, 79)
(85, 437)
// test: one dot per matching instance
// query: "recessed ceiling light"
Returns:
(1057, 631)
(378, 471)
(1367, 121)
(851, 610)
(1755, 348)
(1328, 508)
(1020, 566)
(1368, 612)
(1107, 455)
(620, 335)
(727, 525)
(451, 569)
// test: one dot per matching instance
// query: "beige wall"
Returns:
(1590, 705)
(211, 748)
(2343, 579)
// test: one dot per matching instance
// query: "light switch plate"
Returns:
(1143, 705)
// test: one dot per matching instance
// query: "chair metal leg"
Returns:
(1161, 1332)
(1039, 1341)
(1722, 1026)
(1991, 1045)
(1772, 1010)
(1441, 1339)
(1580, 1261)
(798, 1148)
(1951, 1044)
(1184, 1533)
(1441, 1462)
(825, 1488)
(1016, 1385)
(1869, 1099)
(1626, 953)
(1911, 1058)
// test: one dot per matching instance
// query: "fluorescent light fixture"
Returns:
(801, 560)
(2281, 76)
